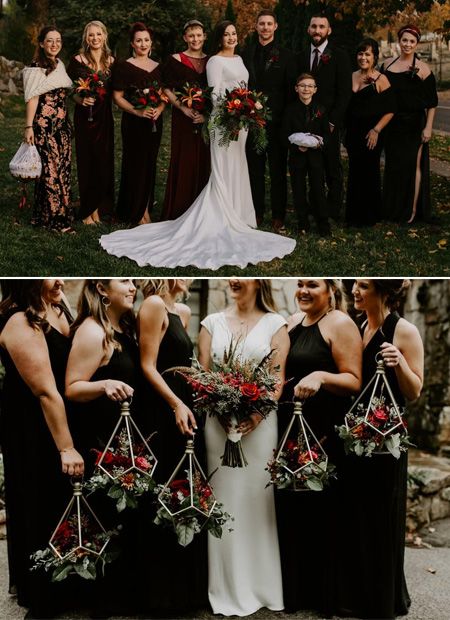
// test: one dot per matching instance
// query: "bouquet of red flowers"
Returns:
(196, 98)
(150, 97)
(300, 467)
(188, 506)
(378, 428)
(232, 392)
(238, 109)
(91, 86)
(67, 556)
(125, 474)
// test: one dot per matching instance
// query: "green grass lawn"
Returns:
(386, 250)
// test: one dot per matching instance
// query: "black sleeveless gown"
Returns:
(307, 527)
(177, 576)
(372, 581)
(36, 490)
(116, 592)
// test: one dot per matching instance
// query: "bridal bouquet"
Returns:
(238, 109)
(233, 391)
(379, 430)
(68, 557)
(150, 97)
(125, 472)
(188, 506)
(196, 98)
(91, 86)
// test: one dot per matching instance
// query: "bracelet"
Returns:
(375, 130)
(28, 126)
(66, 450)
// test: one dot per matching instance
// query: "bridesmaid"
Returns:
(103, 370)
(94, 126)
(48, 127)
(370, 109)
(374, 489)
(407, 137)
(140, 143)
(165, 343)
(189, 156)
(323, 368)
(244, 567)
(37, 445)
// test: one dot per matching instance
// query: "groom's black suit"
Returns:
(272, 70)
(334, 88)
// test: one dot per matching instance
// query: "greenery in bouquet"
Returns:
(92, 85)
(238, 109)
(232, 391)
(72, 556)
(197, 98)
(298, 467)
(383, 429)
(188, 507)
(123, 481)
(150, 97)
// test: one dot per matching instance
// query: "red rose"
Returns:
(142, 463)
(250, 391)
(95, 77)
(290, 445)
(325, 58)
(380, 415)
(142, 100)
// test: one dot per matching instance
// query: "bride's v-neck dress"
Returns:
(244, 566)
(218, 228)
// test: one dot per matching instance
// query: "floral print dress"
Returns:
(52, 136)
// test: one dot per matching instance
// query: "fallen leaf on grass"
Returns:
(389, 233)
(442, 243)
(431, 529)
(60, 258)
(432, 251)
(413, 234)
(431, 570)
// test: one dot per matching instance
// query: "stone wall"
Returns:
(10, 76)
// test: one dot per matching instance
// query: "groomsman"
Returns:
(272, 70)
(331, 68)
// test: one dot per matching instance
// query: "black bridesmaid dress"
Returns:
(36, 490)
(307, 526)
(372, 582)
(402, 142)
(366, 107)
(177, 576)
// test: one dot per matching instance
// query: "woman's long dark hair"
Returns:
(39, 55)
(393, 291)
(24, 296)
(219, 30)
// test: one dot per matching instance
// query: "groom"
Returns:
(272, 70)
(331, 69)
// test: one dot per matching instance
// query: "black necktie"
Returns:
(315, 61)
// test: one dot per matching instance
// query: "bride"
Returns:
(219, 227)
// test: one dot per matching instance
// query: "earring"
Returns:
(106, 302)
(332, 300)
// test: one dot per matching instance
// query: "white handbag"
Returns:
(26, 163)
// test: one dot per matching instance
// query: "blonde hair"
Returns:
(106, 52)
(264, 296)
(91, 304)
(338, 298)
(155, 286)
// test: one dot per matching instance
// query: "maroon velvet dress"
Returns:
(94, 142)
(140, 145)
(190, 162)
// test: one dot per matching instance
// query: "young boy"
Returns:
(303, 116)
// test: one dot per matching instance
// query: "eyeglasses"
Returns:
(306, 86)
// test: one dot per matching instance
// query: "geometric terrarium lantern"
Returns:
(300, 462)
(126, 466)
(375, 425)
(78, 542)
(187, 503)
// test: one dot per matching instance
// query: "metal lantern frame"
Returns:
(192, 466)
(127, 421)
(78, 505)
(303, 430)
(378, 381)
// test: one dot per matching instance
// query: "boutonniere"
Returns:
(316, 114)
(325, 58)
(273, 58)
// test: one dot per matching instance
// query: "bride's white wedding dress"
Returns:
(244, 566)
(217, 229)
